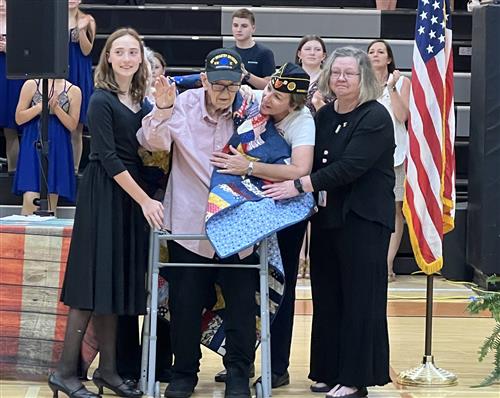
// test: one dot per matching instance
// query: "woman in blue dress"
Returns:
(9, 95)
(82, 31)
(64, 111)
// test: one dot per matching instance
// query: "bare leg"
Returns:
(395, 241)
(75, 330)
(53, 198)
(12, 148)
(28, 205)
(77, 144)
(386, 4)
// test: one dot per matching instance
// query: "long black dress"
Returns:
(107, 260)
(353, 164)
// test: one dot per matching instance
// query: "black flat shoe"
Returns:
(360, 393)
(241, 394)
(181, 388)
(237, 387)
(122, 390)
(222, 375)
(57, 385)
(277, 380)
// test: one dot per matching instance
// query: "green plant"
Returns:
(489, 301)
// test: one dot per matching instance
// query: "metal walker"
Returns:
(147, 383)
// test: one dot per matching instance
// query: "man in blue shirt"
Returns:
(257, 58)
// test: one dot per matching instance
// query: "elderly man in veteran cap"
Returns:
(199, 121)
(283, 100)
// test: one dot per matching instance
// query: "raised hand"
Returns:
(165, 92)
(317, 100)
(247, 93)
(83, 22)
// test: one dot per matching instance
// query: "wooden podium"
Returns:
(32, 320)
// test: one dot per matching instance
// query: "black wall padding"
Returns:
(206, 21)
(455, 266)
(37, 45)
(401, 25)
(483, 231)
(250, 3)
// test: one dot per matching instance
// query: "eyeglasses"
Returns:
(347, 75)
(232, 88)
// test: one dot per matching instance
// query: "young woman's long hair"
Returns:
(104, 76)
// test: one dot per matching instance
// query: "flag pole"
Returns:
(428, 374)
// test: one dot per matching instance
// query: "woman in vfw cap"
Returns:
(283, 99)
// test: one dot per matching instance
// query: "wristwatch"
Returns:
(246, 78)
(249, 169)
(298, 185)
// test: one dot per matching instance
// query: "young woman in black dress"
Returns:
(106, 270)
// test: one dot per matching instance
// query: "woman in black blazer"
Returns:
(353, 178)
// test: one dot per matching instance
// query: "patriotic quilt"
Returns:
(240, 216)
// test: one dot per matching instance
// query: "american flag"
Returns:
(429, 202)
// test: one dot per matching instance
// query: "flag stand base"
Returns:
(427, 375)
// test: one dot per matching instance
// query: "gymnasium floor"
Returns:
(457, 337)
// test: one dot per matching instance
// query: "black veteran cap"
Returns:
(290, 78)
(223, 64)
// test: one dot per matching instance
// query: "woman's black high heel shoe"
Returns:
(123, 390)
(57, 385)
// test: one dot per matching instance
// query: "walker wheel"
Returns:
(157, 390)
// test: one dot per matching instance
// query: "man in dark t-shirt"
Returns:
(257, 58)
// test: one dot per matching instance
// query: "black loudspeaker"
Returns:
(37, 39)
(483, 218)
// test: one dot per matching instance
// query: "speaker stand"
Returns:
(42, 146)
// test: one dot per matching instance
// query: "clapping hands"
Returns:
(54, 101)
(83, 22)
(393, 79)
(317, 100)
